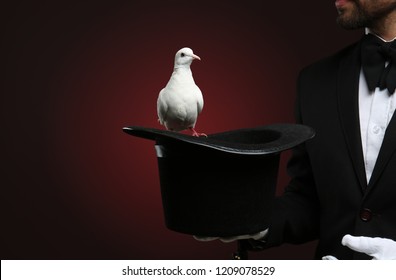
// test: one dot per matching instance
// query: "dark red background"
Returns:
(73, 185)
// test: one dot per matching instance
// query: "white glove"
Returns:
(329, 258)
(376, 247)
(255, 236)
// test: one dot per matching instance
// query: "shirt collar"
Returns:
(368, 31)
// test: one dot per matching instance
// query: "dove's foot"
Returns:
(196, 134)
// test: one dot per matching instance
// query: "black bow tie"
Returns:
(375, 53)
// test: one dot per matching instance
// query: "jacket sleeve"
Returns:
(295, 216)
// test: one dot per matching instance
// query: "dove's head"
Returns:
(184, 57)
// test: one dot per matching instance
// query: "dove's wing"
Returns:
(200, 101)
(162, 107)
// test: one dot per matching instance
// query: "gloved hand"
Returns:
(376, 247)
(255, 236)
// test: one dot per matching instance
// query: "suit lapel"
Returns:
(348, 102)
(387, 150)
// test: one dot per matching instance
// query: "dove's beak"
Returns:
(195, 57)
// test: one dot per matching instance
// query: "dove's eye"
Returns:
(182, 54)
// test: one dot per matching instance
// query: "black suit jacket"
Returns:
(328, 195)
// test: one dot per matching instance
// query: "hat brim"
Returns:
(260, 140)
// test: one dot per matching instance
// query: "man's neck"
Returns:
(385, 28)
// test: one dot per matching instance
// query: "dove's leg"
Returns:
(195, 133)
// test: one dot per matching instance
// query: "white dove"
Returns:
(181, 101)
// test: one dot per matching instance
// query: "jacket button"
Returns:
(366, 215)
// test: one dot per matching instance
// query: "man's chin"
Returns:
(349, 23)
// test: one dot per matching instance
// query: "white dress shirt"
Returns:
(375, 111)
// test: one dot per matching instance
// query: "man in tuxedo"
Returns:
(343, 181)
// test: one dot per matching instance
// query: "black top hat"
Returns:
(223, 184)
